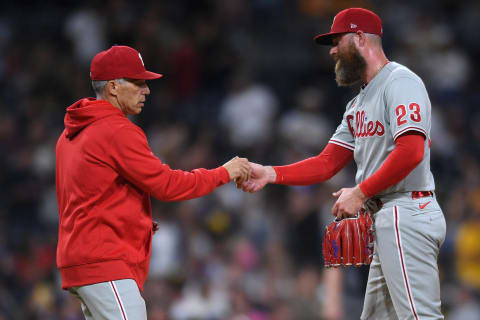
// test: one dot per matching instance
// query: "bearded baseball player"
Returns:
(386, 130)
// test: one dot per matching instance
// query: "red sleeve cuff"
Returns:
(278, 177)
(223, 175)
(365, 190)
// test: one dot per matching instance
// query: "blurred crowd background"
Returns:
(241, 77)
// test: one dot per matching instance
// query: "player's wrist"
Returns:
(360, 192)
(271, 174)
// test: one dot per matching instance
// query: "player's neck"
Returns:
(375, 63)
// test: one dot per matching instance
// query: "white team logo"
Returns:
(353, 25)
(140, 56)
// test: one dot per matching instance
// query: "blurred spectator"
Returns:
(304, 231)
(466, 248)
(305, 303)
(201, 302)
(85, 28)
(466, 306)
(305, 128)
(165, 259)
(248, 112)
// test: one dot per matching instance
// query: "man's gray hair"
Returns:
(99, 86)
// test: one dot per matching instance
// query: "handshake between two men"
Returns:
(248, 176)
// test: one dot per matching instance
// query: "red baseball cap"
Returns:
(120, 62)
(352, 20)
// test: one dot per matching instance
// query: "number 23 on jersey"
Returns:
(413, 111)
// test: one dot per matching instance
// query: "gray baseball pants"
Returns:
(403, 281)
(118, 299)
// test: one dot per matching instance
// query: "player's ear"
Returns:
(361, 38)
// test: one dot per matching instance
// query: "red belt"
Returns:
(415, 195)
(421, 194)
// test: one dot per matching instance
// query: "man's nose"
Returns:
(146, 90)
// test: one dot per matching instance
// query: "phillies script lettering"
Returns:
(363, 128)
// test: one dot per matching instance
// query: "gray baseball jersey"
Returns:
(403, 281)
(394, 102)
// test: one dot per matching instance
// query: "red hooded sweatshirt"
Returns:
(105, 174)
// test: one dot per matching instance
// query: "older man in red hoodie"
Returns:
(105, 174)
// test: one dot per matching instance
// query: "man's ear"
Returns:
(362, 38)
(111, 88)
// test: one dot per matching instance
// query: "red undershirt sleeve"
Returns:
(315, 169)
(405, 157)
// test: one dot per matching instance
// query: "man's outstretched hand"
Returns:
(238, 169)
(260, 176)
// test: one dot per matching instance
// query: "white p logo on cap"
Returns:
(140, 56)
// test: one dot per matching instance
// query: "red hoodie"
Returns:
(105, 174)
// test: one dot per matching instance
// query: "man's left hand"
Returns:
(349, 202)
(155, 226)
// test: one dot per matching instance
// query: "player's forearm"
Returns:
(183, 185)
(133, 159)
(406, 156)
(315, 169)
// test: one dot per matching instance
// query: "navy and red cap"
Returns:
(352, 20)
(120, 62)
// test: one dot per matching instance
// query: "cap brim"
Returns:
(146, 75)
(326, 38)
